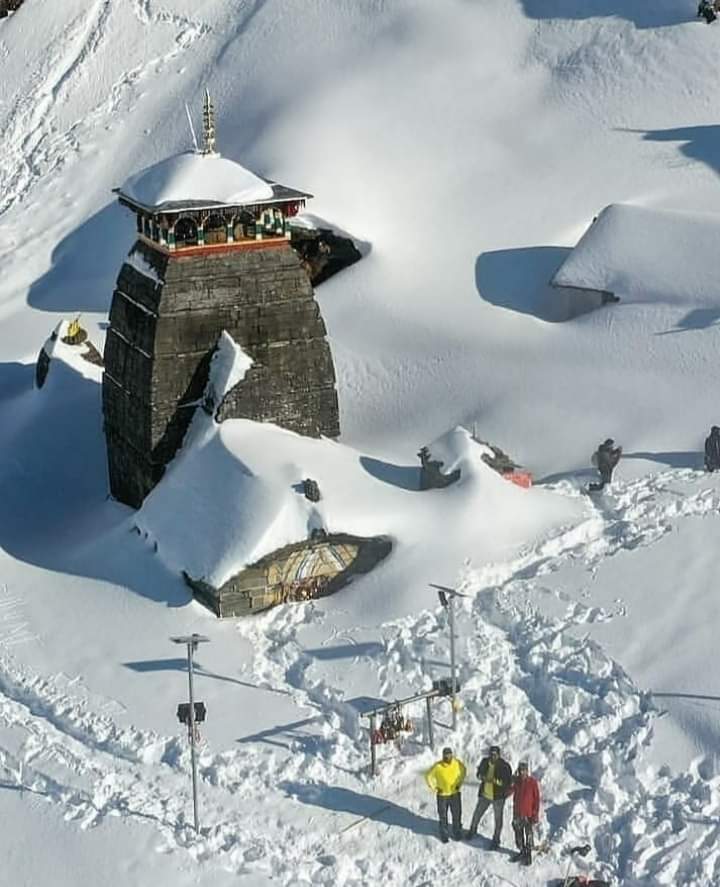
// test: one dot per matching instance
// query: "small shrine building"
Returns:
(199, 200)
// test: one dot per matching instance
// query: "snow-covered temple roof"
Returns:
(199, 180)
(635, 251)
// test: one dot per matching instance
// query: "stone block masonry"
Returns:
(165, 321)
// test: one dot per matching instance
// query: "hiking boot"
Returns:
(470, 834)
(526, 859)
(444, 839)
(495, 844)
(516, 857)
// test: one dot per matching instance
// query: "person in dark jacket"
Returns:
(707, 10)
(495, 777)
(526, 809)
(606, 457)
(712, 449)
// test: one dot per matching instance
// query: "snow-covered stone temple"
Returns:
(212, 254)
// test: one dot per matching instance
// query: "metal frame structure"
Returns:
(447, 599)
(373, 715)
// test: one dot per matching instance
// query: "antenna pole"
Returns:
(192, 128)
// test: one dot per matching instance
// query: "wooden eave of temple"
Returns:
(193, 225)
(254, 211)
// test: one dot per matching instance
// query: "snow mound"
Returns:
(457, 449)
(227, 368)
(71, 356)
(198, 178)
(241, 481)
(638, 253)
(136, 259)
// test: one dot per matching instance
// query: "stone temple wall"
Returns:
(164, 324)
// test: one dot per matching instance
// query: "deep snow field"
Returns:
(468, 143)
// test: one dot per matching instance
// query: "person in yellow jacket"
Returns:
(445, 778)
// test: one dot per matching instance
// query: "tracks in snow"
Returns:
(529, 683)
(35, 141)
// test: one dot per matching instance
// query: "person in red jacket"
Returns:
(526, 809)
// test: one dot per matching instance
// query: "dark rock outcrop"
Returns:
(8, 6)
(431, 475)
(323, 253)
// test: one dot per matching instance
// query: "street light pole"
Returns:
(447, 599)
(453, 673)
(192, 643)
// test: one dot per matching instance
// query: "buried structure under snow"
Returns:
(300, 571)
(433, 477)
(504, 465)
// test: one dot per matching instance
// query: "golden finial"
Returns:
(208, 125)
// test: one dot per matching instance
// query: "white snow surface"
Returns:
(243, 484)
(228, 366)
(137, 260)
(469, 144)
(648, 253)
(195, 177)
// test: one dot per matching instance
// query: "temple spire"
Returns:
(208, 125)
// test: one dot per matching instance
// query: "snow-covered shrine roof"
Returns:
(195, 181)
(636, 251)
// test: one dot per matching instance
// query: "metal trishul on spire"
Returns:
(208, 125)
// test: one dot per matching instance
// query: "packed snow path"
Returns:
(538, 686)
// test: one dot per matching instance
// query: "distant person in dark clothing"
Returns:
(606, 457)
(526, 809)
(495, 777)
(712, 449)
(707, 10)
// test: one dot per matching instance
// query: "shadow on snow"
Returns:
(697, 143)
(406, 477)
(56, 511)
(85, 265)
(643, 14)
(146, 666)
(695, 319)
(519, 279)
(344, 800)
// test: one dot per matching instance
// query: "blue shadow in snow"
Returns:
(54, 491)
(406, 477)
(675, 459)
(699, 143)
(309, 741)
(344, 800)
(642, 13)
(363, 704)
(347, 651)
(685, 696)
(180, 664)
(16, 378)
(519, 279)
(696, 319)
(85, 264)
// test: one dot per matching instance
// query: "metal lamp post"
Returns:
(194, 712)
(447, 599)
